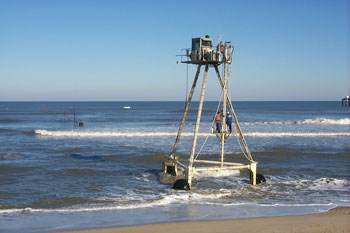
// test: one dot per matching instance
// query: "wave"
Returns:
(9, 120)
(321, 184)
(10, 155)
(12, 169)
(176, 199)
(97, 134)
(344, 121)
(322, 121)
(297, 134)
(204, 196)
(298, 205)
(107, 134)
(4, 130)
(161, 202)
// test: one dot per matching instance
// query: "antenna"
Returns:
(220, 36)
(186, 82)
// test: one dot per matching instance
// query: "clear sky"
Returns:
(126, 50)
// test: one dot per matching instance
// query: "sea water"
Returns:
(55, 175)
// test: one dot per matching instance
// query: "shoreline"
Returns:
(333, 221)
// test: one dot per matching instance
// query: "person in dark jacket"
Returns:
(218, 122)
(229, 121)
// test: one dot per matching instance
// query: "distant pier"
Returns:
(345, 101)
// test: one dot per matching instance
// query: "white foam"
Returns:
(220, 173)
(177, 197)
(321, 184)
(106, 134)
(161, 202)
(296, 205)
(344, 121)
(330, 184)
(167, 200)
(98, 134)
(296, 134)
(323, 121)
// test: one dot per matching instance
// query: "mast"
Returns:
(224, 112)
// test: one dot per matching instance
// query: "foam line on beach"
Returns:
(171, 199)
(167, 199)
(297, 205)
(164, 201)
(106, 134)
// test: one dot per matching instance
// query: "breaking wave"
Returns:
(323, 121)
(296, 134)
(164, 200)
(344, 121)
(99, 134)
(175, 199)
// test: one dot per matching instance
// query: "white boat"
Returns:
(127, 107)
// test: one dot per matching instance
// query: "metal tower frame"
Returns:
(208, 58)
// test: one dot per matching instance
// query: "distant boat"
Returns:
(126, 107)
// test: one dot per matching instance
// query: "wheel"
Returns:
(260, 179)
(181, 184)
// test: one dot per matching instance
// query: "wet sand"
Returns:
(334, 221)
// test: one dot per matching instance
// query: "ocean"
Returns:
(57, 176)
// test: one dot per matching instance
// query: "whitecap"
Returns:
(107, 134)
(323, 121)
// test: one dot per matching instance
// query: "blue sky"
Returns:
(126, 50)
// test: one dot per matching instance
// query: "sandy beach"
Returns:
(336, 220)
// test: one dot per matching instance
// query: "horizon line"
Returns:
(168, 100)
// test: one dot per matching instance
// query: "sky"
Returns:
(104, 50)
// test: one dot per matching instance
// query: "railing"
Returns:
(206, 55)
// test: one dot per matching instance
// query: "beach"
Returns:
(336, 220)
